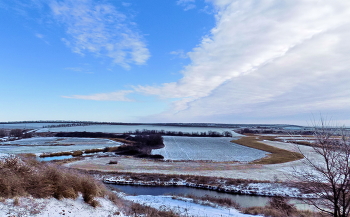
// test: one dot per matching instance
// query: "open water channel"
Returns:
(243, 200)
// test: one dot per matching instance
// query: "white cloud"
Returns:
(187, 4)
(114, 96)
(263, 59)
(179, 53)
(100, 29)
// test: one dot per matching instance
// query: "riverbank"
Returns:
(247, 187)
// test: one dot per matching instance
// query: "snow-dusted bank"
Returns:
(186, 206)
(33, 207)
(261, 189)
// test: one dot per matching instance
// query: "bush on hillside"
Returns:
(25, 176)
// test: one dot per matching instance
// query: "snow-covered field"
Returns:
(206, 148)
(54, 144)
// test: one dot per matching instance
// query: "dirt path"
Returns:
(212, 169)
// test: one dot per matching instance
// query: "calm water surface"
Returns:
(243, 200)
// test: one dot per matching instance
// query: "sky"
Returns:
(211, 61)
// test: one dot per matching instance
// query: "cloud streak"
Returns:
(187, 4)
(258, 57)
(263, 60)
(114, 96)
(100, 29)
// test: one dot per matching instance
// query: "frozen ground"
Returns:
(42, 141)
(51, 207)
(186, 207)
(206, 148)
(212, 169)
(54, 144)
(54, 208)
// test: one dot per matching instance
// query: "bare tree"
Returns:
(328, 178)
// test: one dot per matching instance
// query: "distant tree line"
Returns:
(180, 133)
(67, 125)
(271, 131)
(91, 135)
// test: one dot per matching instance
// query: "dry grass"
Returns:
(93, 150)
(272, 212)
(151, 177)
(227, 202)
(147, 211)
(80, 152)
(276, 155)
(26, 176)
(77, 153)
(280, 207)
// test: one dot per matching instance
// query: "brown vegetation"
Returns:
(26, 176)
(147, 211)
(149, 177)
(280, 207)
(227, 202)
(277, 155)
(80, 152)
(328, 177)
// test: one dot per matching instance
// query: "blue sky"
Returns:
(223, 61)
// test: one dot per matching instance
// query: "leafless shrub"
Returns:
(328, 179)
(281, 204)
(217, 200)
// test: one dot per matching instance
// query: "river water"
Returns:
(243, 200)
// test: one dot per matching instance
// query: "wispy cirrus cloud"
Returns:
(179, 53)
(264, 59)
(114, 96)
(100, 29)
(187, 4)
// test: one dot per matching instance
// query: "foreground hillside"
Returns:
(32, 188)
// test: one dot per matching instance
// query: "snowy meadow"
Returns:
(206, 149)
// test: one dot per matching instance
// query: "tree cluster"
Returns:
(180, 133)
